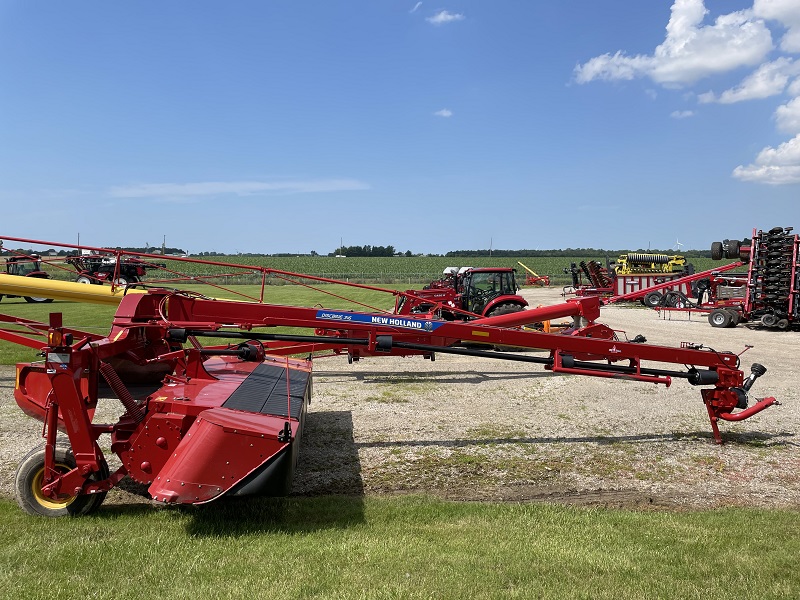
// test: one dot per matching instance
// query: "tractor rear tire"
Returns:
(83, 279)
(506, 309)
(719, 317)
(652, 299)
(716, 250)
(28, 485)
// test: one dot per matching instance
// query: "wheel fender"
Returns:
(503, 300)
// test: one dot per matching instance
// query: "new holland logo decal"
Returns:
(385, 320)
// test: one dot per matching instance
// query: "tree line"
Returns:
(382, 251)
(575, 252)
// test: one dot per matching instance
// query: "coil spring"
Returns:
(657, 259)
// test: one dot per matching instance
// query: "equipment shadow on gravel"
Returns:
(439, 377)
(756, 440)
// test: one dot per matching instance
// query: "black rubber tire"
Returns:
(719, 317)
(27, 486)
(652, 299)
(732, 251)
(83, 279)
(769, 320)
(505, 309)
(674, 300)
(36, 300)
(782, 324)
(735, 317)
(716, 250)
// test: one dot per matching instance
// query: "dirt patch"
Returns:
(477, 429)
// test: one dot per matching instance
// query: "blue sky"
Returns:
(287, 126)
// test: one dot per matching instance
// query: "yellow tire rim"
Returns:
(41, 499)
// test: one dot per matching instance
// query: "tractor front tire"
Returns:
(28, 486)
(36, 299)
(83, 279)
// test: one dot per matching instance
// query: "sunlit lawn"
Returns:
(407, 547)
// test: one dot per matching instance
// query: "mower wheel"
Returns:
(28, 485)
(719, 317)
(36, 299)
(652, 299)
(83, 279)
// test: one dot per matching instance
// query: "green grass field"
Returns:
(96, 318)
(392, 270)
(404, 548)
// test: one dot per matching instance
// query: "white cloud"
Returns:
(416, 6)
(787, 12)
(770, 79)
(443, 17)
(695, 48)
(235, 188)
(445, 112)
(690, 51)
(774, 166)
(787, 116)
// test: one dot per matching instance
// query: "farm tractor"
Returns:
(29, 265)
(99, 268)
(213, 398)
(466, 293)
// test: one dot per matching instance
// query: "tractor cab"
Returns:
(481, 288)
(24, 266)
(482, 291)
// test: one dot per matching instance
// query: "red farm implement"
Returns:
(533, 278)
(767, 295)
(99, 268)
(225, 417)
(632, 277)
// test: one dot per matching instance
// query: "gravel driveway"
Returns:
(478, 429)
